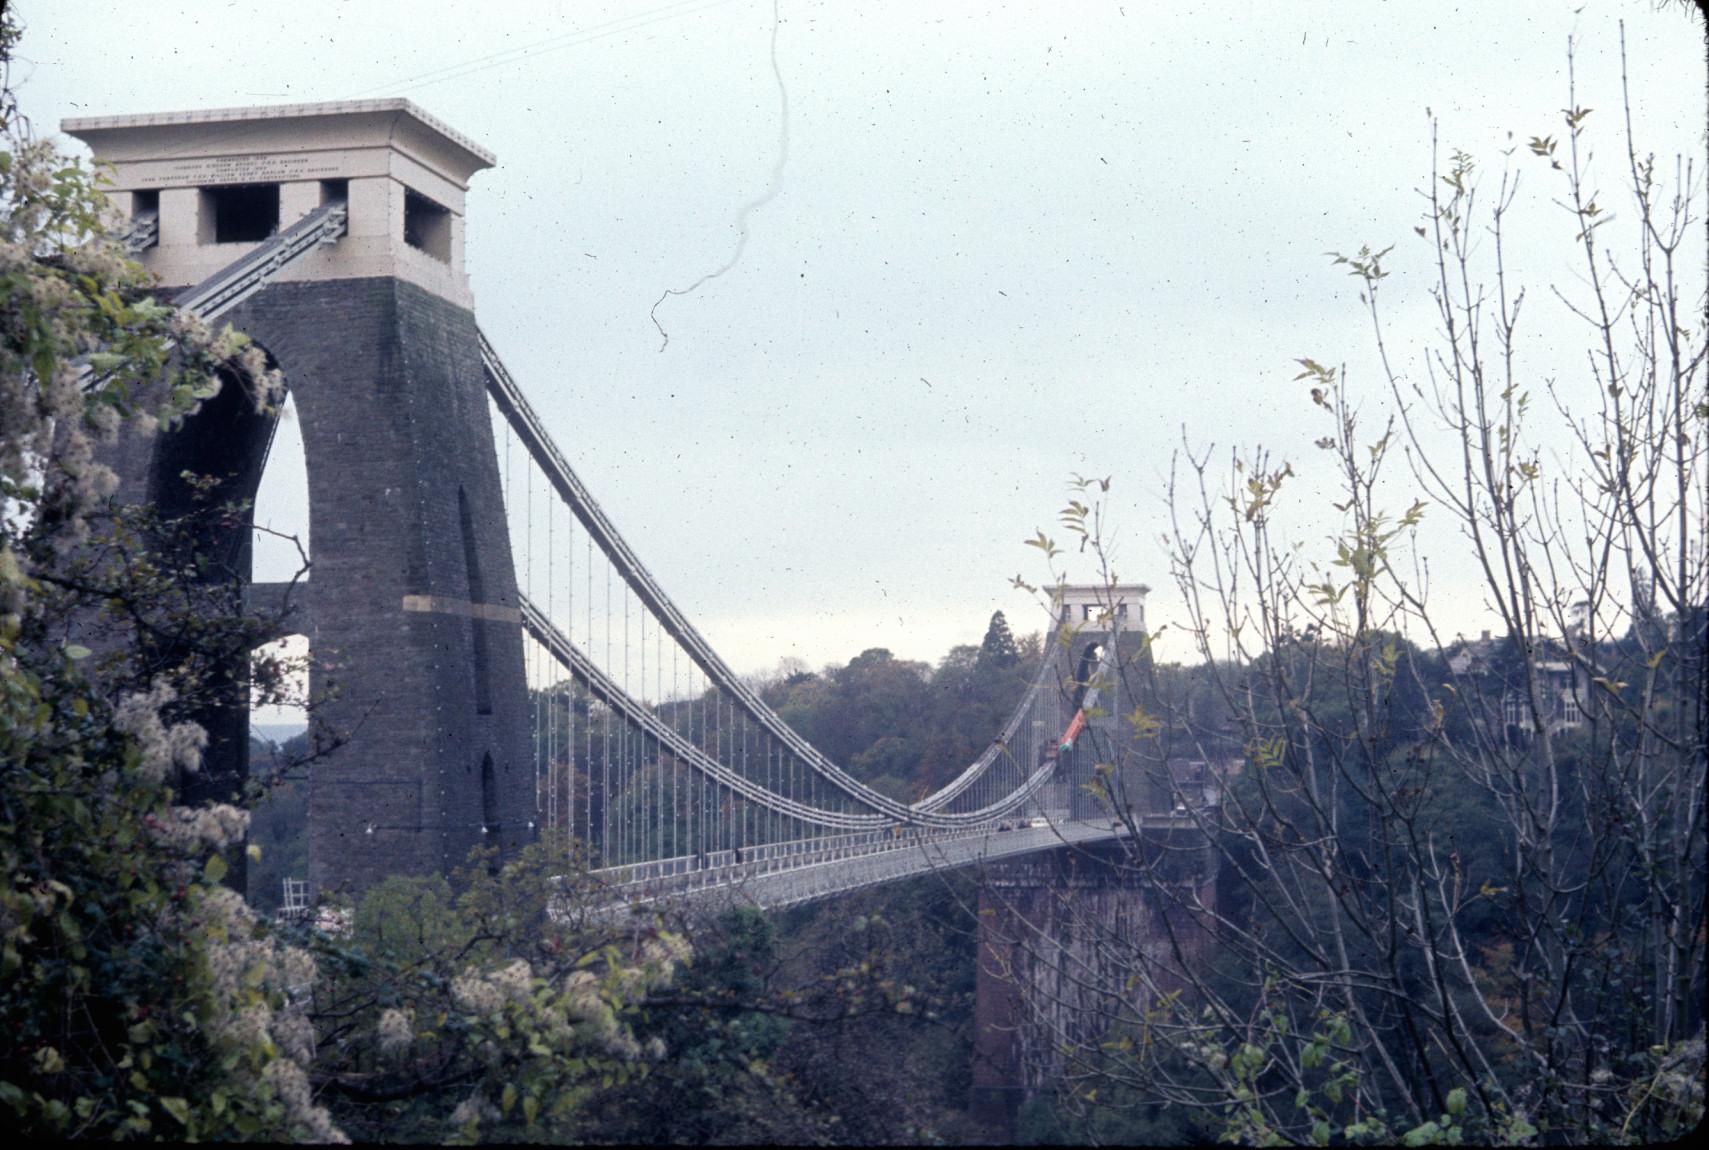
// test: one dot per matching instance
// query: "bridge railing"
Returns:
(732, 867)
(663, 760)
(792, 852)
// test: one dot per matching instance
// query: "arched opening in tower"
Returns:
(280, 547)
(201, 486)
(1090, 657)
(279, 744)
(279, 689)
(279, 671)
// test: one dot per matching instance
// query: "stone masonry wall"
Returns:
(1061, 935)
(403, 479)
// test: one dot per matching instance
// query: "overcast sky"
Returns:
(1009, 242)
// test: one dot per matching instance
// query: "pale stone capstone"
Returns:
(402, 173)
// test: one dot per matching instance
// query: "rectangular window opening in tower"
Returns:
(145, 205)
(239, 213)
(427, 226)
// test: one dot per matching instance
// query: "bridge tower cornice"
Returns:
(1101, 607)
(201, 188)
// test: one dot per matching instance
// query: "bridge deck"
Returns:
(776, 883)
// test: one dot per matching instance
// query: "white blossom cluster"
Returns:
(161, 748)
(487, 993)
(514, 981)
(290, 1085)
(579, 1013)
(396, 1029)
(584, 1012)
(48, 427)
(476, 995)
(59, 272)
(51, 420)
(30, 408)
(254, 1009)
(213, 827)
(474, 1108)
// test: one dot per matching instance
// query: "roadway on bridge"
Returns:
(751, 884)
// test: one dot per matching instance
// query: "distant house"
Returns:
(1564, 684)
(1469, 655)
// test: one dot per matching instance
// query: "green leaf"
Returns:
(215, 871)
(178, 1108)
(1457, 1101)
(1421, 1135)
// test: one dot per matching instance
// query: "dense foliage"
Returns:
(139, 995)
(902, 727)
(484, 1005)
(844, 1023)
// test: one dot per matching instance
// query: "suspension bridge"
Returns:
(499, 658)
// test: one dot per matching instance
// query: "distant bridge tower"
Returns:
(1101, 661)
(411, 607)
(1055, 927)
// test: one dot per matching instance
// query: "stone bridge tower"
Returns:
(1060, 931)
(410, 607)
(1100, 664)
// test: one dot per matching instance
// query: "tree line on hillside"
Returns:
(902, 727)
